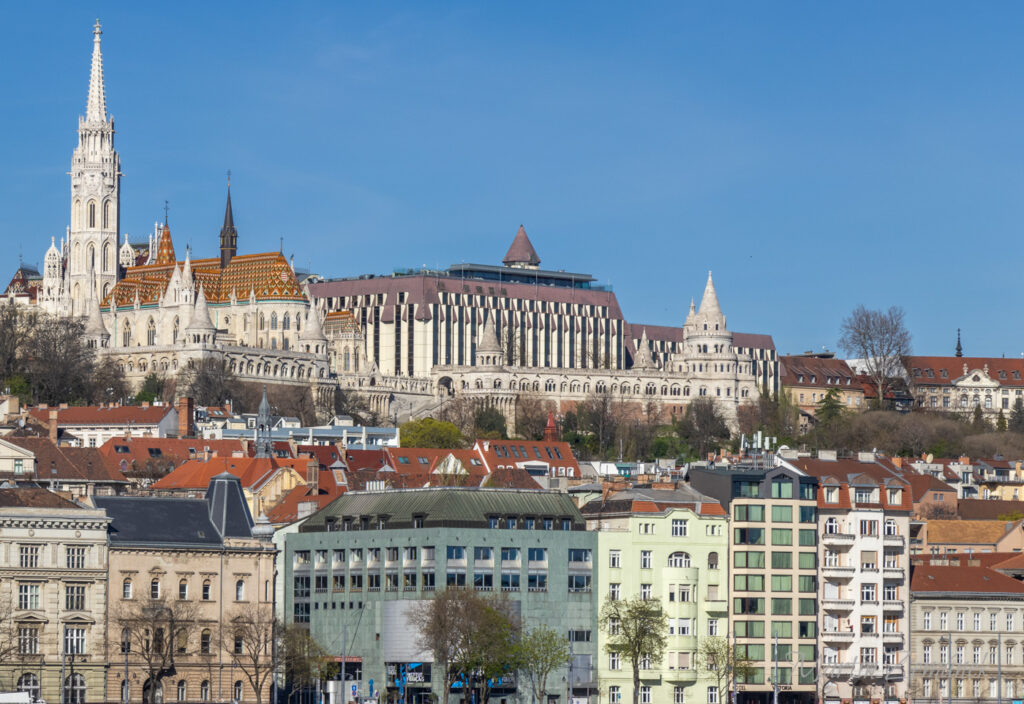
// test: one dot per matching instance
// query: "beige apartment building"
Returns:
(199, 564)
(774, 586)
(53, 581)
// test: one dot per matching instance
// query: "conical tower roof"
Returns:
(643, 359)
(94, 326)
(313, 330)
(201, 314)
(709, 302)
(521, 251)
(488, 339)
(165, 248)
(96, 107)
(691, 317)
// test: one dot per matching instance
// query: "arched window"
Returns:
(29, 683)
(182, 691)
(273, 321)
(712, 560)
(106, 257)
(286, 322)
(832, 526)
(74, 689)
(153, 693)
(890, 527)
(240, 590)
(126, 641)
(106, 215)
(236, 691)
(679, 559)
(206, 590)
(126, 691)
(150, 332)
(126, 335)
(175, 337)
(154, 589)
(126, 589)
(90, 258)
(204, 691)
(204, 642)
(92, 213)
(76, 215)
(262, 321)
(183, 589)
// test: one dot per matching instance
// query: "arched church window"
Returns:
(174, 338)
(90, 258)
(286, 322)
(273, 321)
(76, 215)
(106, 214)
(262, 321)
(126, 335)
(92, 213)
(151, 332)
(106, 257)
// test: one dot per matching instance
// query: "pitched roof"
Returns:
(643, 499)
(103, 415)
(68, 463)
(988, 509)
(962, 579)
(943, 371)
(521, 250)
(33, 497)
(134, 455)
(921, 484)
(952, 532)
(181, 521)
(815, 371)
(251, 471)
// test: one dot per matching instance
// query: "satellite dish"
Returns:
(930, 458)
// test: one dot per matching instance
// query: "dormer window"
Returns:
(1016, 375)
(931, 375)
(1002, 374)
(800, 378)
(944, 374)
(917, 372)
(814, 378)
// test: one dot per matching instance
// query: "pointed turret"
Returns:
(488, 349)
(959, 347)
(228, 234)
(643, 358)
(709, 302)
(550, 430)
(201, 322)
(691, 317)
(96, 107)
(264, 445)
(95, 331)
(521, 253)
(165, 248)
(313, 331)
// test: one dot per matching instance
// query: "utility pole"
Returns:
(999, 669)
(775, 677)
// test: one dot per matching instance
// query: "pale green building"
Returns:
(669, 544)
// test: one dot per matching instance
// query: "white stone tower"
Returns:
(95, 195)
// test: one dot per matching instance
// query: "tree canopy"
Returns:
(429, 432)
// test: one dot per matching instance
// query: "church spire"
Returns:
(959, 347)
(228, 234)
(96, 108)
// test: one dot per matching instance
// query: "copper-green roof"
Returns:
(444, 506)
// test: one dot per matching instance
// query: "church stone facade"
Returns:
(154, 313)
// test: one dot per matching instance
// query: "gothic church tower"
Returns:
(95, 195)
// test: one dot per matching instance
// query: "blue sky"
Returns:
(814, 155)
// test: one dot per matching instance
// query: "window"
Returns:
(240, 590)
(183, 589)
(28, 556)
(782, 489)
(753, 513)
(614, 558)
(154, 589)
(74, 640)
(926, 621)
(614, 662)
(483, 554)
(748, 536)
(614, 695)
(456, 552)
(678, 695)
(28, 640)
(748, 582)
(74, 597)
(943, 620)
(206, 589)
(126, 589)
(713, 627)
(579, 555)
(239, 646)
(748, 559)
(782, 560)
(536, 555)
(29, 684)
(75, 557)
(204, 642)
(782, 583)
(28, 596)
(646, 591)
(236, 690)
(645, 694)
(782, 536)
(577, 582)
(204, 691)
(679, 528)
(678, 559)
(782, 514)
(74, 689)
(712, 695)
(614, 591)
(868, 592)
(182, 691)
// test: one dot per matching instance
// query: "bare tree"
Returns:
(532, 415)
(636, 630)
(249, 639)
(703, 426)
(209, 381)
(880, 339)
(16, 326)
(58, 361)
(156, 630)
(304, 660)
(717, 658)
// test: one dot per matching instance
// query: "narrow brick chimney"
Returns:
(53, 425)
(186, 417)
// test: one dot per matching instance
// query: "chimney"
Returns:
(550, 431)
(186, 417)
(897, 462)
(965, 459)
(313, 477)
(53, 426)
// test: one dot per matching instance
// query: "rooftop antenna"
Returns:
(282, 245)
(167, 208)
(229, 178)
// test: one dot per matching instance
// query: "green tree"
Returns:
(488, 422)
(717, 659)
(304, 660)
(636, 629)
(1001, 424)
(1017, 416)
(830, 408)
(152, 388)
(541, 651)
(429, 432)
(978, 422)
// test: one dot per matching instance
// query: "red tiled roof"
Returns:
(848, 471)
(968, 580)
(162, 454)
(998, 367)
(68, 463)
(103, 415)
(921, 484)
(816, 371)
(251, 471)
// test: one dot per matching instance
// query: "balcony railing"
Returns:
(838, 571)
(892, 637)
(845, 636)
(838, 538)
(892, 573)
(895, 541)
(837, 604)
(892, 605)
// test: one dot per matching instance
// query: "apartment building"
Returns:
(967, 619)
(774, 577)
(357, 569)
(669, 544)
(53, 581)
(864, 511)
